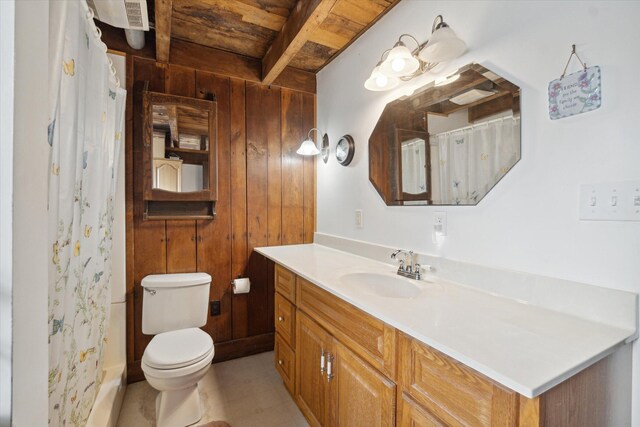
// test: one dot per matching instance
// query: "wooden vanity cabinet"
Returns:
(344, 367)
(335, 387)
(342, 356)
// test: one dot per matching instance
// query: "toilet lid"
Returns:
(175, 349)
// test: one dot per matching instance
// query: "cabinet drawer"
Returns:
(367, 336)
(410, 414)
(285, 283)
(453, 392)
(285, 320)
(285, 360)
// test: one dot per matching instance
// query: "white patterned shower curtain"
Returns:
(85, 132)
(414, 166)
(472, 160)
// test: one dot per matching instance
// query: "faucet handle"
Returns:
(401, 267)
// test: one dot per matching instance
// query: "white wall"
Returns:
(529, 221)
(30, 172)
(7, 50)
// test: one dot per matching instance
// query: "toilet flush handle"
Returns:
(151, 291)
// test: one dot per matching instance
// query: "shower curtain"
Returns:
(472, 160)
(414, 167)
(85, 132)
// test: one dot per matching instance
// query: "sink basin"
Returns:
(382, 285)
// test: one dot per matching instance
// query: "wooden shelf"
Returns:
(187, 151)
(188, 156)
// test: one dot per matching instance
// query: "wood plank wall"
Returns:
(266, 196)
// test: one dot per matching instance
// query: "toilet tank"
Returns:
(174, 301)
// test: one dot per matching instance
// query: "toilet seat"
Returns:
(178, 349)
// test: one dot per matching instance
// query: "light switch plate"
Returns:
(440, 223)
(612, 201)
(358, 219)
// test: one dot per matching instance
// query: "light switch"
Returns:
(615, 201)
(358, 218)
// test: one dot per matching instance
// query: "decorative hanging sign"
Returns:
(576, 93)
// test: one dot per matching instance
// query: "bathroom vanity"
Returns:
(357, 345)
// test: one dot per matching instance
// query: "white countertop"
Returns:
(526, 348)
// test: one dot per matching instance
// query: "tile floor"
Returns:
(243, 392)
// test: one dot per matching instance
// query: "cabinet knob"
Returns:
(280, 318)
(280, 362)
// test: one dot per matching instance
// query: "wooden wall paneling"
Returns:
(181, 234)
(149, 236)
(181, 246)
(263, 198)
(259, 316)
(309, 171)
(214, 236)
(292, 167)
(149, 70)
(180, 81)
(238, 176)
(271, 123)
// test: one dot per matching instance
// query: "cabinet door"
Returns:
(455, 393)
(360, 395)
(311, 389)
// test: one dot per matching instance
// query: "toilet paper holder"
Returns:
(241, 285)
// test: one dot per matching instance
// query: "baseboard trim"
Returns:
(243, 347)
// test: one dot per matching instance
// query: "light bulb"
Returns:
(398, 64)
(381, 80)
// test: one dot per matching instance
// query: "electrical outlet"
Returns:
(358, 218)
(215, 308)
(440, 223)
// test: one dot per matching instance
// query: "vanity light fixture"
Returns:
(309, 147)
(400, 64)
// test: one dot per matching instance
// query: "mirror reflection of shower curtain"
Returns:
(474, 158)
(414, 166)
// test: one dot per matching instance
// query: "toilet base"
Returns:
(178, 408)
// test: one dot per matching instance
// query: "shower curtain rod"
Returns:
(499, 119)
(97, 33)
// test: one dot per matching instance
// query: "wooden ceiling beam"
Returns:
(163, 29)
(303, 21)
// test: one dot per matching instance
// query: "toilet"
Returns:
(174, 307)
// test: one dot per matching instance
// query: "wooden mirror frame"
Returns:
(162, 204)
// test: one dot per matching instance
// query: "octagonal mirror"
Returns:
(449, 143)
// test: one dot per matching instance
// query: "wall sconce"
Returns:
(309, 147)
(400, 64)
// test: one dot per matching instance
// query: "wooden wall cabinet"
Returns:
(344, 367)
(177, 155)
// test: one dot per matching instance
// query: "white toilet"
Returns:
(174, 307)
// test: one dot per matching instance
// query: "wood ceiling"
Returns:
(281, 34)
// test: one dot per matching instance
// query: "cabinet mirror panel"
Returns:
(180, 148)
(449, 142)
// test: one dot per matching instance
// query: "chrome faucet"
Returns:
(408, 267)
